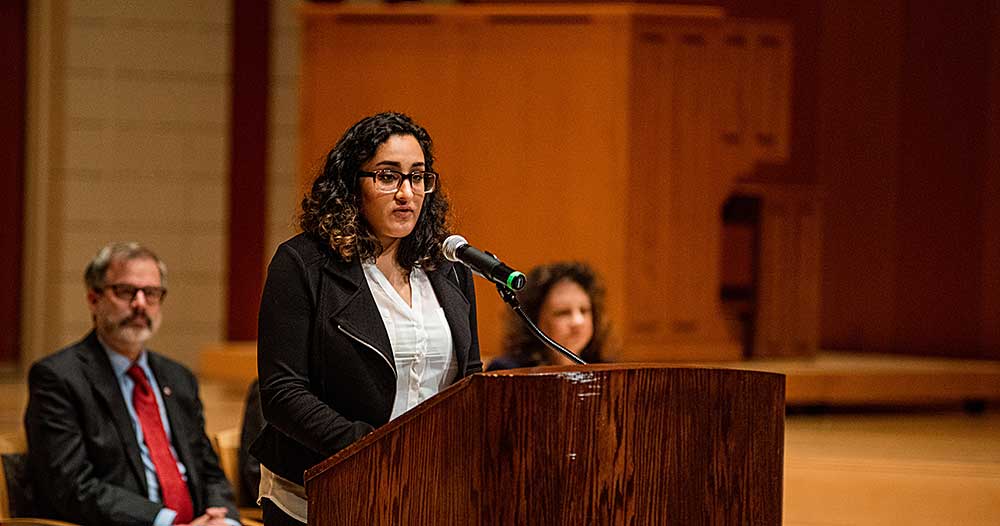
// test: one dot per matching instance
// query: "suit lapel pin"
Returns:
(167, 391)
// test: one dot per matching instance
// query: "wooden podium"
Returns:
(598, 444)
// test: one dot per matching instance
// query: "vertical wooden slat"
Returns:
(248, 165)
(990, 296)
(942, 147)
(13, 58)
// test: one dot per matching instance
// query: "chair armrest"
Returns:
(254, 514)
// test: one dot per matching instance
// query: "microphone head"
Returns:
(451, 244)
(516, 281)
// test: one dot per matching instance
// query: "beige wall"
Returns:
(283, 195)
(128, 140)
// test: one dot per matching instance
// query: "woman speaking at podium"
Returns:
(361, 317)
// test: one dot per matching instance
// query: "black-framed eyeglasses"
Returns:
(388, 181)
(126, 292)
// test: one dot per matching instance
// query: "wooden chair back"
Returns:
(15, 490)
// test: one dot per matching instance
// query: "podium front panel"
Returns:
(600, 444)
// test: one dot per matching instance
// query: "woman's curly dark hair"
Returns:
(522, 346)
(332, 209)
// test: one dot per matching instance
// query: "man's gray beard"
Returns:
(137, 335)
(127, 334)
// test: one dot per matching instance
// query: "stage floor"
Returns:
(918, 469)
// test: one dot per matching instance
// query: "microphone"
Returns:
(457, 249)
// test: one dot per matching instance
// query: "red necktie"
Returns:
(172, 486)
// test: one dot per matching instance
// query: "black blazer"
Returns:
(326, 369)
(82, 453)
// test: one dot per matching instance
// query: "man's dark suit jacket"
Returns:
(82, 451)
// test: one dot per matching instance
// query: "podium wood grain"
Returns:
(606, 444)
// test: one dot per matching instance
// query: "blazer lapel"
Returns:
(352, 306)
(444, 281)
(98, 371)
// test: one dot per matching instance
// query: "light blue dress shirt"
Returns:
(120, 364)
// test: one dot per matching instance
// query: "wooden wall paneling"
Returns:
(944, 79)
(990, 296)
(905, 113)
(676, 225)
(734, 157)
(531, 178)
(547, 150)
(787, 309)
(738, 252)
(769, 90)
(808, 292)
(546, 153)
(786, 301)
(805, 20)
(348, 74)
(788, 286)
(701, 188)
(651, 153)
(540, 154)
(735, 148)
(858, 162)
(754, 102)
(774, 329)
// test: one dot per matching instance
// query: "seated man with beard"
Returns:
(115, 431)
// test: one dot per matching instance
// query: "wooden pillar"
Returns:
(13, 60)
(248, 165)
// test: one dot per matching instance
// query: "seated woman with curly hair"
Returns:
(566, 301)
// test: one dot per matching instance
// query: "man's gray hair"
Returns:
(97, 269)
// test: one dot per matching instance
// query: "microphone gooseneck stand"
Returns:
(511, 299)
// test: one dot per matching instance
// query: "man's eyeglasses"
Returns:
(389, 181)
(126, 292)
